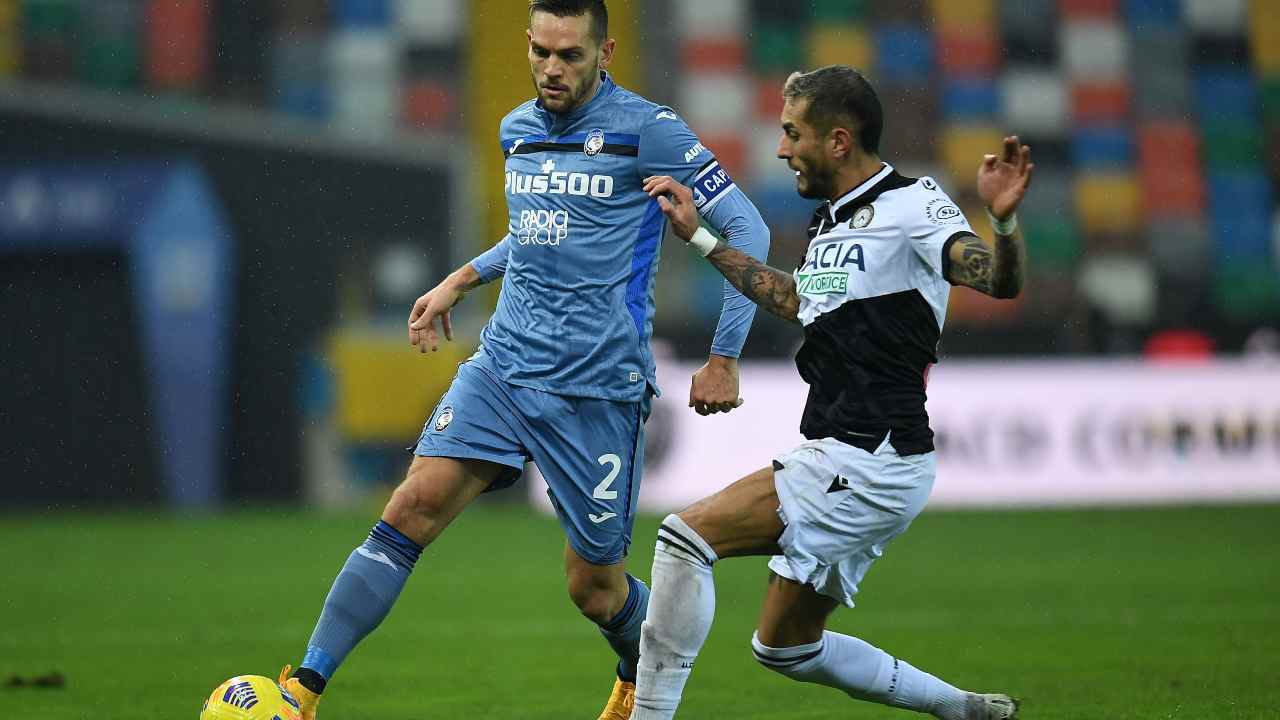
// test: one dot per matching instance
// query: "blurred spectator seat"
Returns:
(1179, 345)
(969, 52)
(841, 44)
(904, 54)
(1122, 287)
(1216, 17)
(1095, 50)
(1100, 102)
(1108, 202)
(177, 45)
(963, 147)
(1035, 102)
(1089, 9)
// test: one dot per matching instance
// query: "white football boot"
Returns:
(991, 707)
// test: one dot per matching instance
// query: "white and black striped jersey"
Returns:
(873, 298)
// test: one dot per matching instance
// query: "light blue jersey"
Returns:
(576, 311)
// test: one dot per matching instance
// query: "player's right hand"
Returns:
(676, 202)
(422, 318)
(1003, 179)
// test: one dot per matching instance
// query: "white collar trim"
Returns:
(858, 191)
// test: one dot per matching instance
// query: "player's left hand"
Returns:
(676, 202)
(715, 386)
(1003, 180)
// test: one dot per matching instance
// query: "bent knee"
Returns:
(417, 509)
(411, 500)
(598, 603)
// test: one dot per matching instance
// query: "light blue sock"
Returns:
(361, 597)
(623, 631)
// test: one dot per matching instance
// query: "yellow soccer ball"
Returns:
(250, 697)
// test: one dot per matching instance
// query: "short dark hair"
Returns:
(839, 94)
(574, 8)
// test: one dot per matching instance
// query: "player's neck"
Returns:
(854, 173)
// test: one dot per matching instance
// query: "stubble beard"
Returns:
(577, 95)
(818, 185)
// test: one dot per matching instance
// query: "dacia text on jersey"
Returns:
(825, 268)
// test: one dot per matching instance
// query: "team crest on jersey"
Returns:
(444, 418)
(594, 143)
(862, 217)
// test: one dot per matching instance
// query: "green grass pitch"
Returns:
(1163, 613)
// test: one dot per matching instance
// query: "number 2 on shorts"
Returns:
(603, 491)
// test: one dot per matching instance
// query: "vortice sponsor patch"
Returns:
(823, 283)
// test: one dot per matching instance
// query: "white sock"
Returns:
(682, 603)
(864, 672)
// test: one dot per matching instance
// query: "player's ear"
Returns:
(840, 142)
(606, 53)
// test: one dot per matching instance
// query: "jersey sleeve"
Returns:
(492, 263)
(738, 221)
(669, 147)
(933, 221)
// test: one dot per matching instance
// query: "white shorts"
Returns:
(841, 505)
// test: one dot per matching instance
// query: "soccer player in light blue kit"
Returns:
(564, 374)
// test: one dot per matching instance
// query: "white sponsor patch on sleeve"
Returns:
(711, 184)
(944, 212)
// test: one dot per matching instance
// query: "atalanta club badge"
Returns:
(594, 143)
(862, 217)
(444, 418)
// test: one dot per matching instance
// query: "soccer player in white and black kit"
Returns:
(871, 293)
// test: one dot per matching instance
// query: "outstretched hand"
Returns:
(1003, 180)
(422, 318)
(676, 202)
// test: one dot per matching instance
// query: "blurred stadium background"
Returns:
(215, 214)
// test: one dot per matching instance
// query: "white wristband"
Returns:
(703, 241)
(1003, 227)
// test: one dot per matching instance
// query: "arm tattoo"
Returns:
(994, 271)
(768, 287)
(974, 268)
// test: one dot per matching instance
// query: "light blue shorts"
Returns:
(590, 451)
